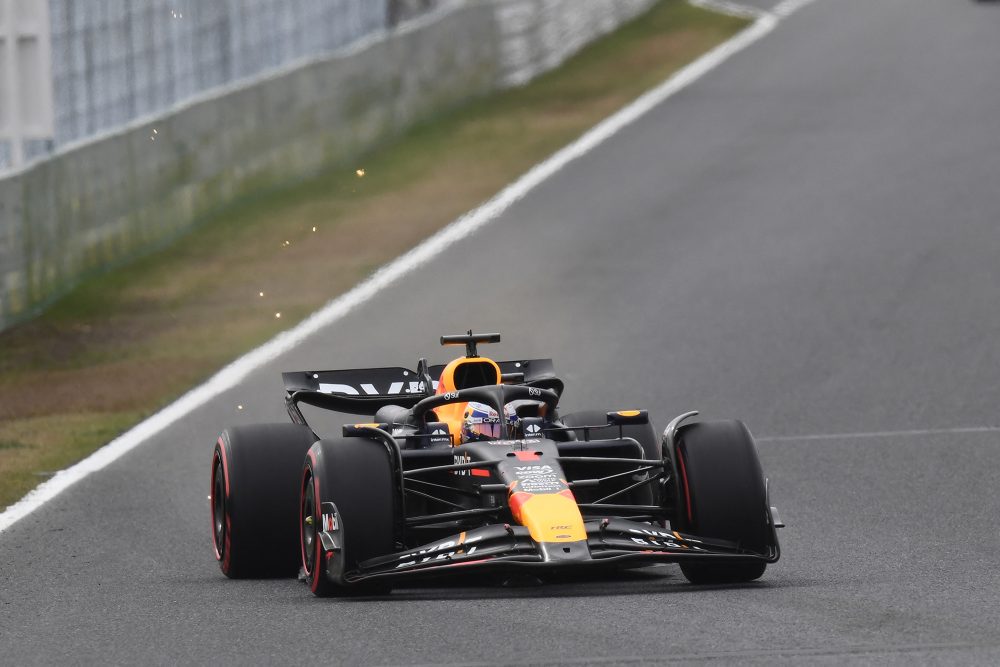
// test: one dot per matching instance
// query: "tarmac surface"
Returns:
(807, 239)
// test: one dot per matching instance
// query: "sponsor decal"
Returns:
(369, 389)
(461, 459)
(538, 479)
(329, 388)
(438, 552)
(483, 420)
(330, 522)
(663, 544)
(439, 435)
(659, 538)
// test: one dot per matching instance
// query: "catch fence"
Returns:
(116, 61)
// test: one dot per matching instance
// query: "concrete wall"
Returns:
(115, 61)
(537, 35)
(114, 198)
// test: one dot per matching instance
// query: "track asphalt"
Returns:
(807, 239)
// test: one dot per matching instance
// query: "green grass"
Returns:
(33, 449)
(127, 342)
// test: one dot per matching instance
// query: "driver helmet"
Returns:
(480, 422)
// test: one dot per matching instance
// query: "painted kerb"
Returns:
(112, 199)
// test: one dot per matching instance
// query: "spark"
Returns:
(239, 407)
(314, 229)
(155, 131)
(261, 293)
(360, 173)
(286, 244)
(277, 315)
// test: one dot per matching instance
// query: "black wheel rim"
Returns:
(219, 507)
(308, 524)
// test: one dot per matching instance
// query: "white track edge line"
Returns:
(229, 376)
(958, 430)
(731, 8)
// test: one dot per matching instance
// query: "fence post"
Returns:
(26, 79)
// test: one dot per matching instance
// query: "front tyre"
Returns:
(347, 513)
(723, 495)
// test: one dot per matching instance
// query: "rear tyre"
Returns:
(254, 499)
(348, 493)
(722, 496)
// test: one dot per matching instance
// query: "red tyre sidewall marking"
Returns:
(687, 489)
(319, 566)
(224, 558)
(317, 558)
(306, 476)
(302, 497)
(215, 464)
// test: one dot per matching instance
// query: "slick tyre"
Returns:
(722, 496)
(347, 492)
(644, 434)
(255, 500)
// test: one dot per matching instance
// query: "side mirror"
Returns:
(623, 417)
(360, 430)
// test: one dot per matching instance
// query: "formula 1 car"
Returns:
(476, 470)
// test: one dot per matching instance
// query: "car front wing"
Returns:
(503, 548)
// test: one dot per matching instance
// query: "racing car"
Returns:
(471, 467)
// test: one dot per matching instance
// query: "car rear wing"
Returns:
(362, 391)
